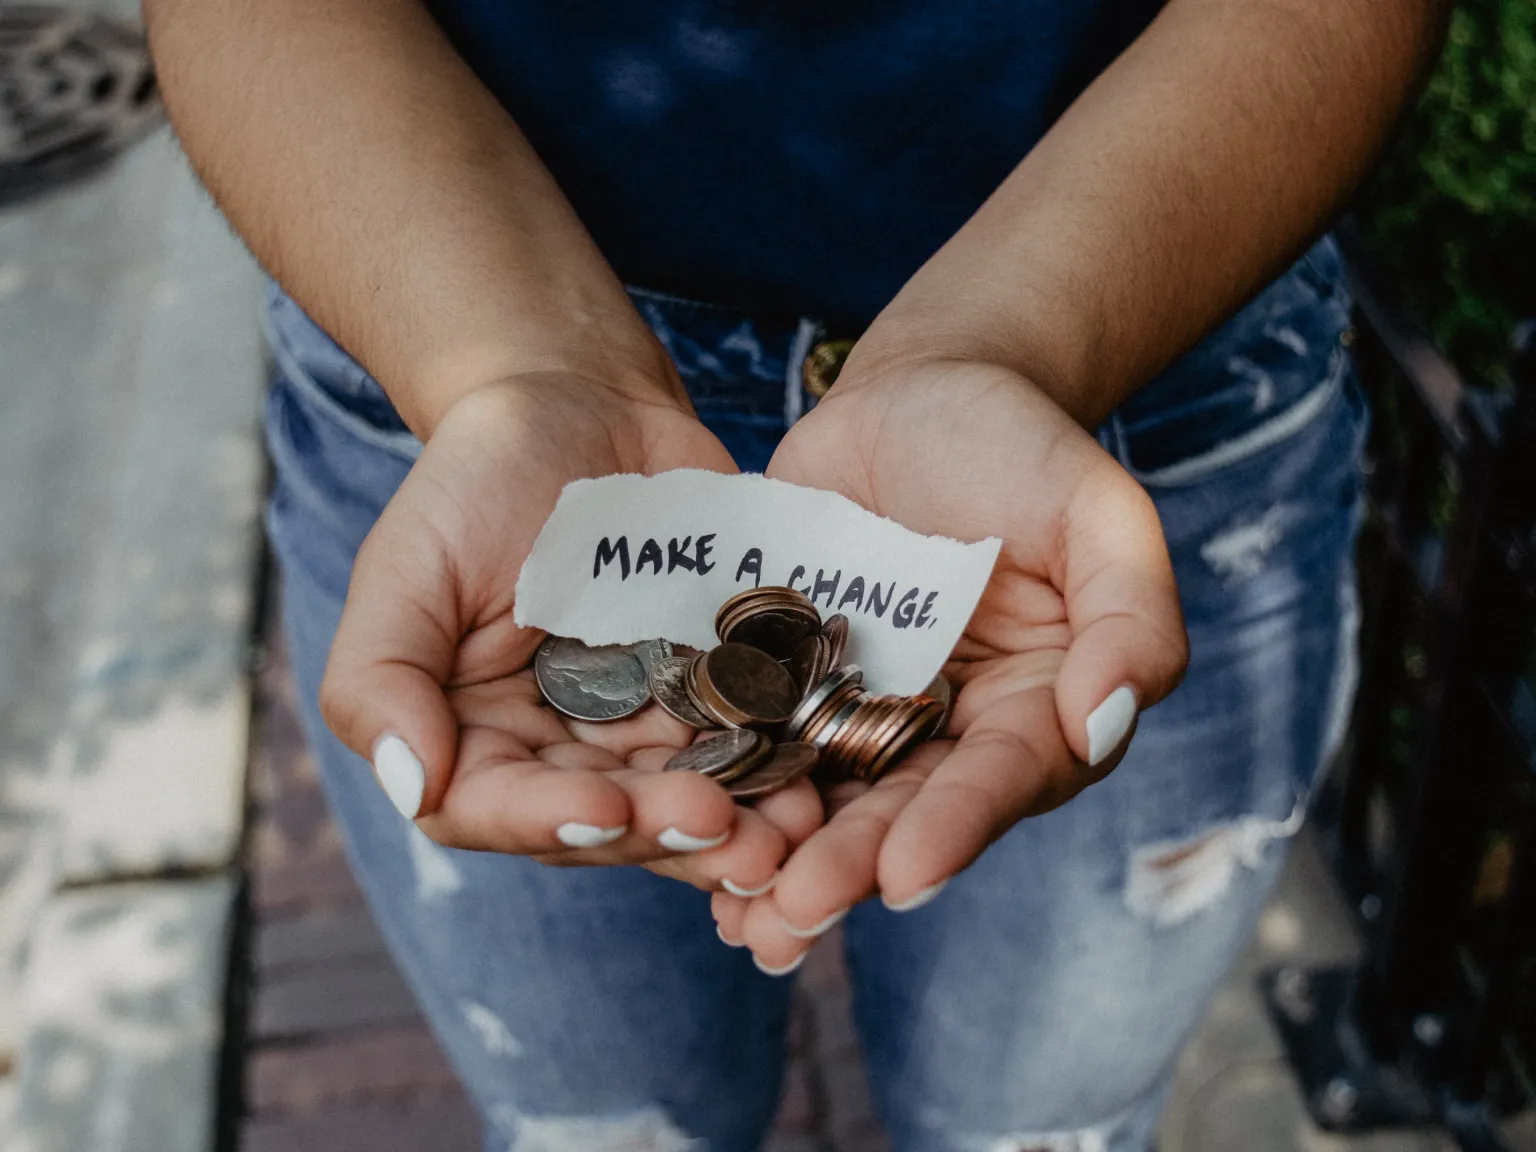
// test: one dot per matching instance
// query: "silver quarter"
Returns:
(591, 683)
(718, 754)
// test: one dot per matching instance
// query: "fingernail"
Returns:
(1109, 722)
(736, 889)
(400, 773)
(784, 971)
(924, 897)
(589, 835)
(811, 933)
(726, 940)
(676, 841)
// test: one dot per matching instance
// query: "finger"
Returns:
(1011, 762)
(747, 864)
(1129, 647)
(730, 913)
(775, 950)
(796, 811)
(382, 692)
(836, 867)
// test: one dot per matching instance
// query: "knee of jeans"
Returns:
(645, 1129)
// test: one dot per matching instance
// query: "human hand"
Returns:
(1078, 629)
(430, 678)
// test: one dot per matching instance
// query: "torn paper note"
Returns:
(629, 558)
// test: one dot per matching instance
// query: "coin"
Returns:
(591, 683)
(921, 722)
(755, 598)
(811, 704)
(744, 687)
(940, 689)
(836, 632)
(651, 652)
(718, 753)
(789, 763)
(772, 624)
(811, 662)
(669, 688)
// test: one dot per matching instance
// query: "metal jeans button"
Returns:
(821, 367)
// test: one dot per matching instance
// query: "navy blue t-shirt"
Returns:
(796, 156)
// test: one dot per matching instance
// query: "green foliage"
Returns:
(1451, 212)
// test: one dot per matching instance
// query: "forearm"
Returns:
(377, 179)
(1186, 176)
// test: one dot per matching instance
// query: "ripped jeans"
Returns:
(1041, 1000)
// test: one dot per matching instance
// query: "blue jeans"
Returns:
(1042, 998)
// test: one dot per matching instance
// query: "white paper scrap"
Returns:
(628, 558)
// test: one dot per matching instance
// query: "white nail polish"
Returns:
(588, 835)
(400, 773)
(784, 971)
(924, 897)
(1109, 722)
(736, 889)
(676, 841)
(812, 933)
(726, 940)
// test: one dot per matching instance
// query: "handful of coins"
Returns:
(776, 683)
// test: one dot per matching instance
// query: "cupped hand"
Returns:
(430, 678)
(1078, 630)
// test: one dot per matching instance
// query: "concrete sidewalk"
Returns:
(132, 375)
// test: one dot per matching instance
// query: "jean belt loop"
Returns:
(807, 333)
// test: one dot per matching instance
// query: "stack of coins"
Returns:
(776, 683)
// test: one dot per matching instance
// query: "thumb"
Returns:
(1129, 647)
(383, 688)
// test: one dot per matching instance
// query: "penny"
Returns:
(836, 632)
(923, 717)
(755, 599)
(940, 689)
(669, 688)
(788, 764)
(811, 661)
(591, 683)
(811, 704)
(775, 629)
(744, 686)
(718, 753)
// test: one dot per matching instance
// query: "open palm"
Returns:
(1079, 628)
(429, 675)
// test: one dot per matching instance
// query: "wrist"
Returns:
(1045, 344)
(599, 377)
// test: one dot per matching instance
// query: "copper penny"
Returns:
(788, 764)
(745, 686)
(836, 632)
(811, 662)
(669, 688)
(922, 720)
(940, 689)
(719, 753)
(774, 630)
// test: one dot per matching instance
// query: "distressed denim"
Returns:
(1040, 1001)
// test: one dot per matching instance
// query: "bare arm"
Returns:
(372, 173)
(1188, 174)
